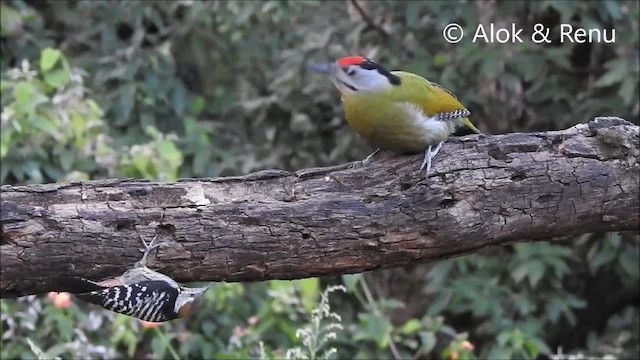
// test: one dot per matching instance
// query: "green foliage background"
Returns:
(163, 90)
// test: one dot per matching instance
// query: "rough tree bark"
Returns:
(280, 225)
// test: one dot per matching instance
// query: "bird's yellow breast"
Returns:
(396, 118)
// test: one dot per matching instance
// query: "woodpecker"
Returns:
(395, 110)
(139, 292)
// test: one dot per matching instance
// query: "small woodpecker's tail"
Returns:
(76, 285)
(470, 125)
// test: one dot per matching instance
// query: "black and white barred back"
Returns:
(147, 300)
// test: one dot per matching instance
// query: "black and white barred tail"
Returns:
(453, 115)
(461, 116)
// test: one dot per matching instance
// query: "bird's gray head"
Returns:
(189, 300)
(356, 74)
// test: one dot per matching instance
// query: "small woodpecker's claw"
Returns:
(147, 249)
(428, 156)
(319, 68)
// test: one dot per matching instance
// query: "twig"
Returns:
(369, 20)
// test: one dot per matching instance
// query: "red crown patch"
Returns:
(350, 60)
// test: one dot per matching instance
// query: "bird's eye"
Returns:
(349, 70)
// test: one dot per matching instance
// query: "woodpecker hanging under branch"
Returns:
(139, 292)
(395, 110)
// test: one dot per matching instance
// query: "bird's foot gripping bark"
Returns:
(366, 161)
(429, 155)
(146, 250)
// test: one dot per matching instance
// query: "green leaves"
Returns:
(55, 76)
(44, 124)
(617, 71)
(40, 133)
(376, 328)
(48, 59)
(512, 301)
(411, 326)
(533, 270)
(158, 159)
(50, 136)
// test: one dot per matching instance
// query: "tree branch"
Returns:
(326, 221)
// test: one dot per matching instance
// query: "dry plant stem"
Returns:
(327, 221)
(374, 306)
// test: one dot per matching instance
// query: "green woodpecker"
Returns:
(395, 110)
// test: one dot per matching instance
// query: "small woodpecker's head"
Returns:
(189, 300)
(357, 74)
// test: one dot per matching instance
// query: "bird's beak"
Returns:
(322, 68)
(204, 289)
(330, 69)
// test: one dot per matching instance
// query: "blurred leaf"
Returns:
(576, 303)
(503, 338)
(530, 65)
(4, 149)
(629, 262)
(10, 21)
(613, 8)
(565, 8)
(532, 348)
(411, 13)
(490, 58)
(350, 281)
(66, 160)
(44, 124)
(169, 152)
(140, 162)
(376, 328)
(57, 78)
(498, 352)
(411, 326)
(179, 99)
(437, 305)
(309, 288)
(126, 102)
(200, 161)
(48, 59)
(628, 90)
(428, 340)
(517, 339)
(617, 72)
(553, 310)
(23, 93)
(197, 105)
(536, 270)
(600, 259)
